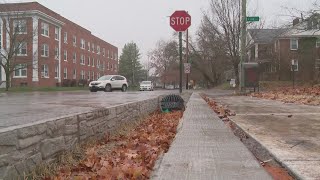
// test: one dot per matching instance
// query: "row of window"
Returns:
(294, 44)
(21, 71)
(20, 27)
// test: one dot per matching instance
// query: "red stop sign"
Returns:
(180, 20)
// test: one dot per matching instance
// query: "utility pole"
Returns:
(243, 40)
(187, 59)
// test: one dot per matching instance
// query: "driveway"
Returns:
(290, 132)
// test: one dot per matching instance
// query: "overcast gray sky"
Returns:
(146, 21)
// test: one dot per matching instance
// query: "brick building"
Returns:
(277, 49)
(55, 51)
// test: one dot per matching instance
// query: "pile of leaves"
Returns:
(222, 111)
(132, 157)
(301, 95)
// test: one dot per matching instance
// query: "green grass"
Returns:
(43, 89)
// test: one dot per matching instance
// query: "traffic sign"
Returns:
(253, 18)
(187, 68)
(180, 21)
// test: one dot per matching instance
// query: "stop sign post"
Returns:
(180, 21)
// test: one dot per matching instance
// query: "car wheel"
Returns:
(124, 88)
(108, 88)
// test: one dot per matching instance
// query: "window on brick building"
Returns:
(89, 61)
(89, 46)
(104, 52)
(74, 41)
(56, 72)
(108, 54)
(82, 74)
(83, 44)
(56, 53)
(20, 70)
(93, 75)
(98, 49)
(45, 29)
(45, 71)
(88, 76)
(98, 63)
(103, 65)
(45, 50)
(20, 26)
(108, 66)
(115, 67)
(74, 76)
(98, 75)
(65, 73)
(92, 47)
(115, 56)
(21, 49)
(111, 67)
(111, 55)
(65, 55)
(74, 57)
(82, 59)
(65, 38)
(294, 44)
(56, 33)
(92, 62)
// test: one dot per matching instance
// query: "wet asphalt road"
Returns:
(23, 108)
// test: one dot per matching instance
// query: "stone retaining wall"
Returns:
(24, 147)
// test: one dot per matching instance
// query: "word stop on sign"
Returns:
(180, 20)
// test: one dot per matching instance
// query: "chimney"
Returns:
(295, 21)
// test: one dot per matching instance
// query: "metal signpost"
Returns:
(180, 21)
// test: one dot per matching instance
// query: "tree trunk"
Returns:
(7, 81)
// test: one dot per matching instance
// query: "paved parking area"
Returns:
(23, 108)
(290, 132)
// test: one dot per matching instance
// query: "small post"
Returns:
(187, 61)
(180, 54)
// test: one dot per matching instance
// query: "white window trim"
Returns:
(74, 74)
(83, 44)
(14, 73)
(89, 47)
(104, 52)
(65, 37)
(65, 55)
(43, 55)
(74, 58)
(56, 56)
(42, 71)
(65, 73)
(82, 59)
(55, 71)
(89, 61)
(19, 53)
(291, 40)
(17, 20)
(74, 41)
(56, 33)
(45, 24)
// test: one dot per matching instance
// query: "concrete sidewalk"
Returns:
(204, 148)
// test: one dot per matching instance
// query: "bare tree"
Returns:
(18, 38)
(165, 60)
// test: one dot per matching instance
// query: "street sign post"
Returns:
(180, 21)
(253, 18)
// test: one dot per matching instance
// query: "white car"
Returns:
(108, 83)
(146, 86)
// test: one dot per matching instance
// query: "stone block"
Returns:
(70, 129)
(32, 130)
(112, 113)
(56, 128)
(8, 138)
(73, 120)
(70, 141)
(86, 117)
(8, 173)
(24, 143)
(50, 147)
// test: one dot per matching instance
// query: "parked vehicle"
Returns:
(108, 83)
(146, 86)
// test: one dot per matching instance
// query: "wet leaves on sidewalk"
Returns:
(133, 156)
(302, 95)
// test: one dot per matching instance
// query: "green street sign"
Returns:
(253, 18)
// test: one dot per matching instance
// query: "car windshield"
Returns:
(103, 78)
(146, 82)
